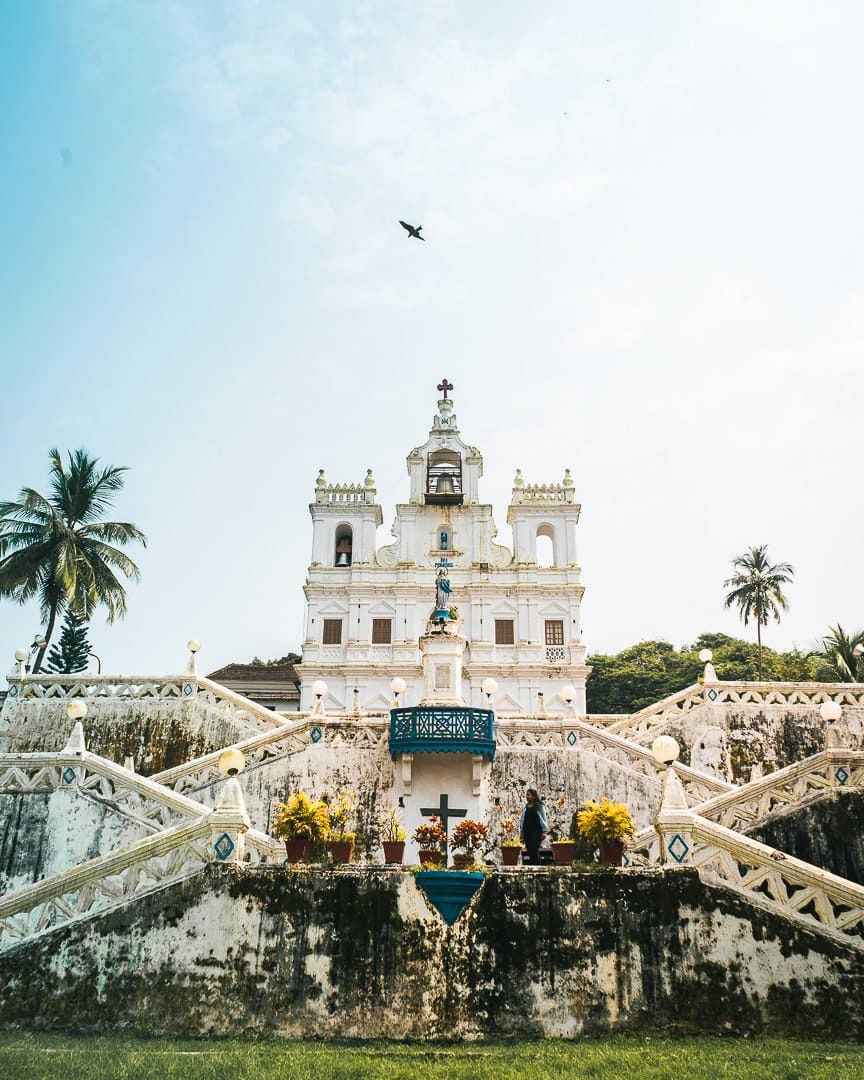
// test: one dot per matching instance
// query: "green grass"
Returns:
(67, 1057)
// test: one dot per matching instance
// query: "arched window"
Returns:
(545, 545)
(344, 546)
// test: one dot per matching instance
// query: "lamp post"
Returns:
(490, 689)
(76, 710)
(397, 687)
(319, 689)
(831, 712)
(98, 660)
(231, 762)
(24, 656)
(193, 645)
(568, 693)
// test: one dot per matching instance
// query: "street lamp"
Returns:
(397, 686)
(231, 762)
(193, 645)
(490, 689)
(76, 710)
(830, 711)
(319, 689)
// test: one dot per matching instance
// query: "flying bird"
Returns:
(412, 231)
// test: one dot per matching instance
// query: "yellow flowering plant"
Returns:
(302, 818)
(340, 807)
(508, 832)
(605, 821)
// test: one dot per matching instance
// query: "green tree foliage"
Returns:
(71, 653)
(836, 659)
(289, 658)
(58, 549)
(652, 670)
(756, 589)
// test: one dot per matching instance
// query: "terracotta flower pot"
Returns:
(510, 855)
(563, 852)
(297, 850)
(341, 850)
(611, 852)
(394, 850)
(430, 858)
(462, 860)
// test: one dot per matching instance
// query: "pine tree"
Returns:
(70, 654)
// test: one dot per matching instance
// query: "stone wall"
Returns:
(361, 953)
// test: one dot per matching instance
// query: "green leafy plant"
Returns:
(605, 821)
(468, 836)
(302, 818)
(430, 837)
(392, 829)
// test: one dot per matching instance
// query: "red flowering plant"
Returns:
(469, 836)
(430, 837)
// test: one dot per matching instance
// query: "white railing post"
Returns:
(674, 822)
(229, 823)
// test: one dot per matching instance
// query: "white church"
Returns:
(441, 673)
(371, 611)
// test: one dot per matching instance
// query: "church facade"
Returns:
(370, 607)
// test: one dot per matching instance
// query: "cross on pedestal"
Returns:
(444, 811)
(445, 386)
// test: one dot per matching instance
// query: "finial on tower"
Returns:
(444, 386)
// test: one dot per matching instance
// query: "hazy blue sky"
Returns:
(643, 261)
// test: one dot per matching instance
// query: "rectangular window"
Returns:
(332, 632)
(504, 632)
(554, 632)
(382, 631)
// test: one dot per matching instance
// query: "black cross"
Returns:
(445, 386)
(444, 812)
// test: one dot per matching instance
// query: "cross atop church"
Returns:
(443, 811)
(444, 386)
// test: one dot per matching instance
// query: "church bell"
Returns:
(342, 559)
(445, 485)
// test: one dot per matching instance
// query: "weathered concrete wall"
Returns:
(159, 734)
(742, 742)
(360, 953)
(827, 831)
(42, 833)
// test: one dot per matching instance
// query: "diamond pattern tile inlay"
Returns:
(13, 691)
(68, 774)
(712, 695)
(841, 775)
(572, 738)
(188, 689)
(316, 734)
(224, 846)
(678, 848)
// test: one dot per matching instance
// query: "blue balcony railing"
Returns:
(442, 730)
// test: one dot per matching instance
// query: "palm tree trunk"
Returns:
(52, 618)
(759, 642)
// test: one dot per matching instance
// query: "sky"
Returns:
(643, 262)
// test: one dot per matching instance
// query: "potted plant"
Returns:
(467, 838)
(339, 811)
(393, 835)
(429, 839)
(563, 848)
(606, 825)
(508, 837)
(301, 822)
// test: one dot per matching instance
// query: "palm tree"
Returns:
(757, 589)
(58, 549)
(839, 661)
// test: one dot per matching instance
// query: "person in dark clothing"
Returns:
(533, 826)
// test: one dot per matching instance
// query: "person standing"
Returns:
(533, 825)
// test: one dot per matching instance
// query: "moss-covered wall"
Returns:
(827, 831)
(360, 953)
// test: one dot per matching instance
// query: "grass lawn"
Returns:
(67, 1057)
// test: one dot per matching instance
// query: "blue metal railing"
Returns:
(442, 729)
